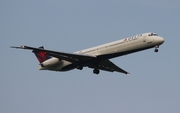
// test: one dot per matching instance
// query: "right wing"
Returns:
(107, 65)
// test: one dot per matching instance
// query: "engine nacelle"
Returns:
(50, 62)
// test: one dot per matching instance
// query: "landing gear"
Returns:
(79, 67)
(156, 48)
(96, 71)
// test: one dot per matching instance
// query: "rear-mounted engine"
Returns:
(49, 62)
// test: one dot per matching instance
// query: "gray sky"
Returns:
(68, 26)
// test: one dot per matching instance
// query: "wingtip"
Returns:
(21, 47)
(13, 47)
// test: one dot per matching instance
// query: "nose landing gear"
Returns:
(156, 48)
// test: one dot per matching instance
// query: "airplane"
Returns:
(97, 57)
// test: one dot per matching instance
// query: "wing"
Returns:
(61, 55)
(107, 65)
(90, 61)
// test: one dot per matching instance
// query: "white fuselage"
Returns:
(129, 45)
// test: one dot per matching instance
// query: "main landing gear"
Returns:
(96, 71)
(79, 67)
(156, 48)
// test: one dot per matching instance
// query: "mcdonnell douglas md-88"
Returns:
(97, 57)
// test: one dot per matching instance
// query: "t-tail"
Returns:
(41, 55)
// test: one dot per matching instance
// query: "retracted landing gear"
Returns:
(156, 48)
(96, 71)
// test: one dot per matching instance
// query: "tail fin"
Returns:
(41, 55)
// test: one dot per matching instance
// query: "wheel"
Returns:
(156, 50)
(80, 67)
(96, 71)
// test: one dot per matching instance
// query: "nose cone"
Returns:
(160, 40)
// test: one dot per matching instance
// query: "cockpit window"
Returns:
(152, 34)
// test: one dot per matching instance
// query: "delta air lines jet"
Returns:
(97, 57)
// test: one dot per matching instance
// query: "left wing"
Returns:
(107, 65)
(61, 55)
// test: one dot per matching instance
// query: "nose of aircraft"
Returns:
(160, 40)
